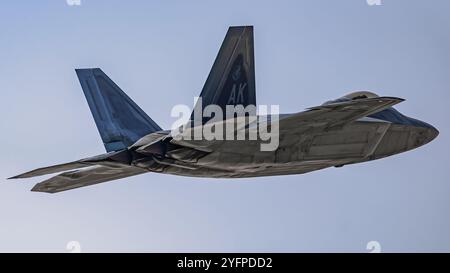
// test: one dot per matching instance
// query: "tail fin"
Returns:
(232, 77)
(119, 120)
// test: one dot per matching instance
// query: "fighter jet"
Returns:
(357, 127)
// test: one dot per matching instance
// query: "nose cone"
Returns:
(404, 134)
(422, 132)
(431, 131)
(432, 134)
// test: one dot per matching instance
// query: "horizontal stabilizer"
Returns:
(51, 169)
(111, 159)
(85, 177)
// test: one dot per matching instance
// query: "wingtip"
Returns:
(393, 98)
(20, 176)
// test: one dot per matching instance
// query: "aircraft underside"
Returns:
(357, 127)
(302, 151)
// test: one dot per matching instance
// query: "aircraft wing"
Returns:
(337, 114)
(85, 177)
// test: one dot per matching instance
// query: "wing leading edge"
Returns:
(339, 114)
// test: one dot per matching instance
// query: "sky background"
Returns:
(160, 53)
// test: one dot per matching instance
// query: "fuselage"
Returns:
(301, 149)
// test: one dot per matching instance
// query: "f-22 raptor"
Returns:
(355, 128)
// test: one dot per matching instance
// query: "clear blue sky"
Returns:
(160, 53)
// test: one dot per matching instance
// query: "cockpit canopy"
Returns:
(354, 96)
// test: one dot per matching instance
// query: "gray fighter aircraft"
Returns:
(355, 128)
